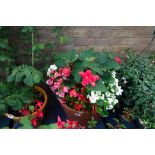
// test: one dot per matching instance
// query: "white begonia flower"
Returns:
(113, 96)
(119, 91)
(48, 72)
(116, 81)
(113, 74)
(115, 101)
(110, 100)
(102, 97)
(92, 99)
(107, 94)
(110, 106)
(53, 67)
(124, 79)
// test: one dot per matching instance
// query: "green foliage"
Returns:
(26, 74)
(118, 124)
(139, 93)
(92, 123)
(25, 123)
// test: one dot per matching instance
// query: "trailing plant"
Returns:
(86, 81)
(138, 83)
(29, 35)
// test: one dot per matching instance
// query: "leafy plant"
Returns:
(139, 86)
(85, 81)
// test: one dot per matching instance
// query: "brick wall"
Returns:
(109, 38)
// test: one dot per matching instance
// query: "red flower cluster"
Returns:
(88, 77)
(38, 116)
(69, 125)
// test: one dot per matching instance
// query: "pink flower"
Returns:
(57, 85)
(73, 93)
(53, 88)
(65, 89)
(88, 77)
(60, 123)
(118, 60)
(60, 94)
(66, 72)
(49, 82)
(34, 122)
(56, 74)
(60, 81)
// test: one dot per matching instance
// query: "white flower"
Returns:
(113, 74)
(102, 97)
(53, 67)
(119, 91)
(92, 99)
(110, 106)
(107, 94)
(116, 81)
(48, 72)
(124, 79)
(110, 100)
(115, 101)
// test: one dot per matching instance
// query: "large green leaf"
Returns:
(78, 67)
(29, 80)
(87, 55)
(99, 86)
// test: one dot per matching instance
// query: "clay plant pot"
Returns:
(81, 117)
(41, 91)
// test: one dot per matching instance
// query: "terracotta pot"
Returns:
(81, 117)
(41, 91)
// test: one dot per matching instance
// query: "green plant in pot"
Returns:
(85, 84)
(138, 83)
(20, 95)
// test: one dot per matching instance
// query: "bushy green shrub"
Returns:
(137, 76)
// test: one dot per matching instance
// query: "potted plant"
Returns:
(19, 91)
(139, 87)
(85, 84)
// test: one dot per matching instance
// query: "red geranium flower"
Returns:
(39, 114)
(118, 60)
(73, 93)
(34, 122)
(39, 104)
(72, 124)
(60, 123)
(78, 107)
(88, 77)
